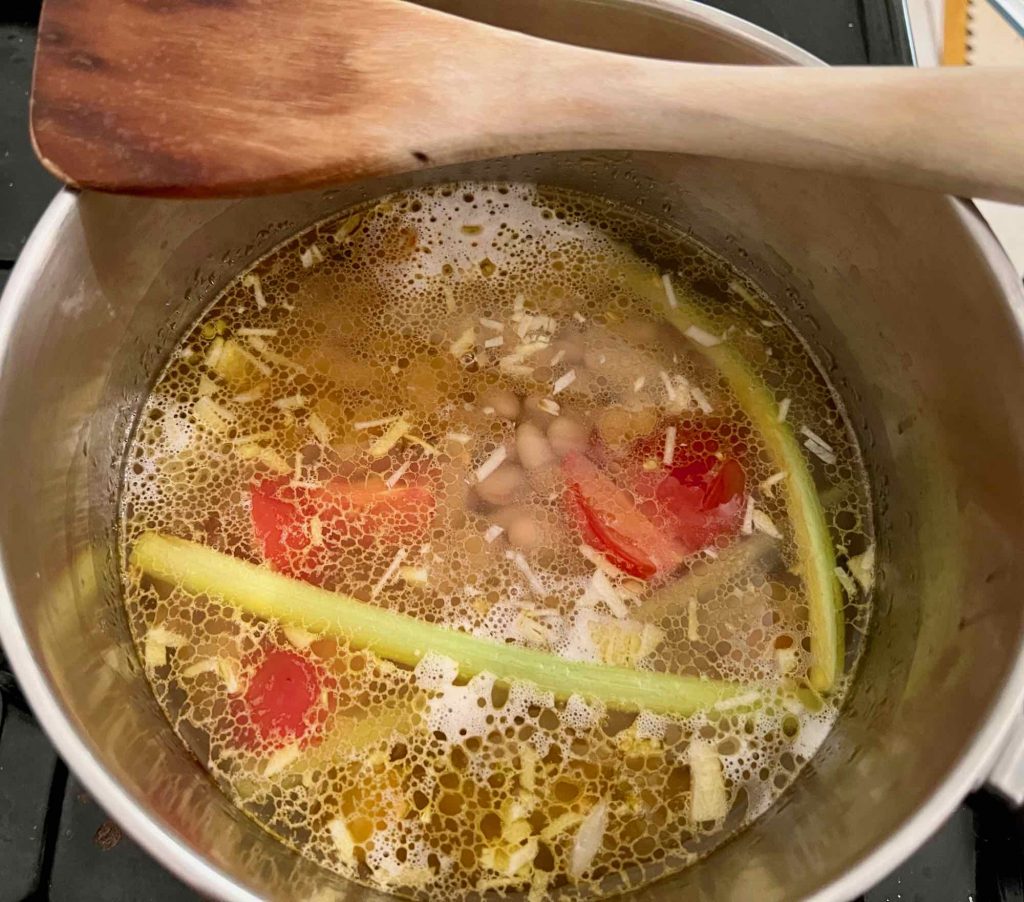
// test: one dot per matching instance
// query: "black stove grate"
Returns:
(57, 844)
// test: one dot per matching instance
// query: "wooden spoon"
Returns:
(233, 97)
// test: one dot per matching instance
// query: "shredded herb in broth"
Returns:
(493, 540)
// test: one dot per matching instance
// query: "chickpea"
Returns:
(533, 447)
(566, 434)
(502, 486)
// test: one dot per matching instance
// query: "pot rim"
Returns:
(968, 774)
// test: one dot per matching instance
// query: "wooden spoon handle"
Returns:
(206, 99)
(960, 131)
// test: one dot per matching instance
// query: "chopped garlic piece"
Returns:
(670, 446)
(463, 344)
(701, 337)
(692, 626)
(251, 280)
(316, 531)
(348, 227)
(512, 366)
(229, 672)
(862, 566)
(550, 405)
(670, 292)
(253, 394)
(769, 484)
(783, 409)
(495, 342)
(214, 353)
(638, 383)
(702, 400)
(212, 415)
(565, 821)
(709, 799)
(558, 358)
(388, 574)
(392, 480)
(414, 576)
(748, 517)
(817, 439)
(298, 637)
(563, 382)
(492, 463)
(154, 654)
(786, 660)
(311, 256)
(589, 838)
(493, 531)
(253, 330)
(391, 437)
(539, 886)
(319, 428)
(373, 424)
(266, 456)
(261, 347)
(523, 567)
(533, 631)
(492, 324)
(292, 402)
(203, 665)
(461, 437)
(343, 841)
(670, 391)
(601, 589)
(600, 561)
(763, 523)
(847, 582)
(281, 759)
(522, 856)
(622, 643)
(166, 637)
(528, 771)
(743, 700)
(819, 451)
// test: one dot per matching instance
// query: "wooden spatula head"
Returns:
(230, 97)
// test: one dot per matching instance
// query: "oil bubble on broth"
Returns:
(468, 404)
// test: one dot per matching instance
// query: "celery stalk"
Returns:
(405, 640)
(814, 545)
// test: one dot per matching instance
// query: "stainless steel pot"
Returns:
(904, 296)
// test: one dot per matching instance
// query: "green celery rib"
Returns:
(405, 640)
(817, 556)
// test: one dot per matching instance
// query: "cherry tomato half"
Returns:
(367, 514)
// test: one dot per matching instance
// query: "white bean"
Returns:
(524, 532)
(502, 485)
(534, 449)
(567, 435)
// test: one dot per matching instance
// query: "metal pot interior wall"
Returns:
(890, 290)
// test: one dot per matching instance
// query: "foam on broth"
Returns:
(414, 780)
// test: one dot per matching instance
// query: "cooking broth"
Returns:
(614, 513)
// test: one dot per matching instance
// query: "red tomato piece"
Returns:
(367, 514)
(609, 521)
(282, 697)
(279, 524)
(698, 497)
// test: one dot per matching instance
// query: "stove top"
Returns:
(56, 843)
